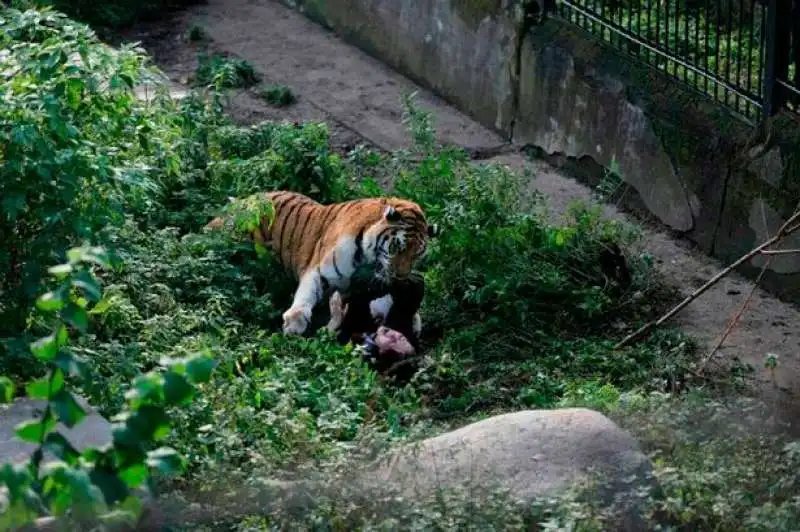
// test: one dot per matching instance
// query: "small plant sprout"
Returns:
(277, 95)
(771, 363)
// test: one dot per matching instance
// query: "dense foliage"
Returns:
(107, 13)
(518, 312)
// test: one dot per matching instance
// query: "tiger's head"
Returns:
(399, 239)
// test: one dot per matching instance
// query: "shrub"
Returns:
(78, 151)
(278, 95)
(224, 72)
(721, 463)
(275, 156)
(111, 13)
(97, 482)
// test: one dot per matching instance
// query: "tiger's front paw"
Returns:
(296, 320)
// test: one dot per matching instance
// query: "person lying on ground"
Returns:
(385, 327)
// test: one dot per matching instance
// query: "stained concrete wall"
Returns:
(690, 165)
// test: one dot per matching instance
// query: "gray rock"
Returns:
(93, 431)
(531, 455)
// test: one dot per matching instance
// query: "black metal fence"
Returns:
(744, 54)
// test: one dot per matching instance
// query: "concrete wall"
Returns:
(691, 166)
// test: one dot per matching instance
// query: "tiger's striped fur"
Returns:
(323, 245)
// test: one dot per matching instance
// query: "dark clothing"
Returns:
(407, 298)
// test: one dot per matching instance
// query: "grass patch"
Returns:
(277, 95)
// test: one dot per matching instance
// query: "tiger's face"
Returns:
(401, 239)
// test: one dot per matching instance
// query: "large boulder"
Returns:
(531, 455)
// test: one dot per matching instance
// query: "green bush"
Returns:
(78, 148)
(275, 156)
(95, 482)
(222, 72)
(110, 13)
(721, 463)
(278, 95)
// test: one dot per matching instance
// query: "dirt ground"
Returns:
(360, 98)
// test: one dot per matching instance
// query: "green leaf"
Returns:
(74, 90)
(34, 431)
(166, 460)
(15, 477)
(148, 423)
(199, 368)
(46, 387)
(67, 408)
(89, 285)
(134, 476)
(72, 364)
(63, 449)
(94, 255)
(75, 316)
(145, 387)
(49, 302)
(60, 271)
(83, 490)
(111, 486)
(12, 204)
(102, 306)
(62, 336)
(176, 388)
(46, 348)
(7, 389)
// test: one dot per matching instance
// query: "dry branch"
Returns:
(735, 319)
(786, 229)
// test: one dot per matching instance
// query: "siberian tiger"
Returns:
(324, 245)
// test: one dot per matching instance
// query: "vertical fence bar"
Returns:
(750, 46)
(707, 47)
(729, 50)
(718, 48)
(658, 31)
(741, 45)
(769, 71)
(796, 50)
(779, 29)
(685, 42)
(667, 63)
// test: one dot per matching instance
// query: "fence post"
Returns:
(777, 54)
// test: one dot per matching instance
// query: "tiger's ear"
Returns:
(433, 230)
(391, 214)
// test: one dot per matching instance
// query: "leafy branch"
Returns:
(97, 482)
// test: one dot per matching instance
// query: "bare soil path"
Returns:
(360, 98)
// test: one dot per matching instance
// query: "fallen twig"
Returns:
(780, 251)
(786, 229)
(734, 320)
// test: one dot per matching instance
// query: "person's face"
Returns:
(390, 340)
